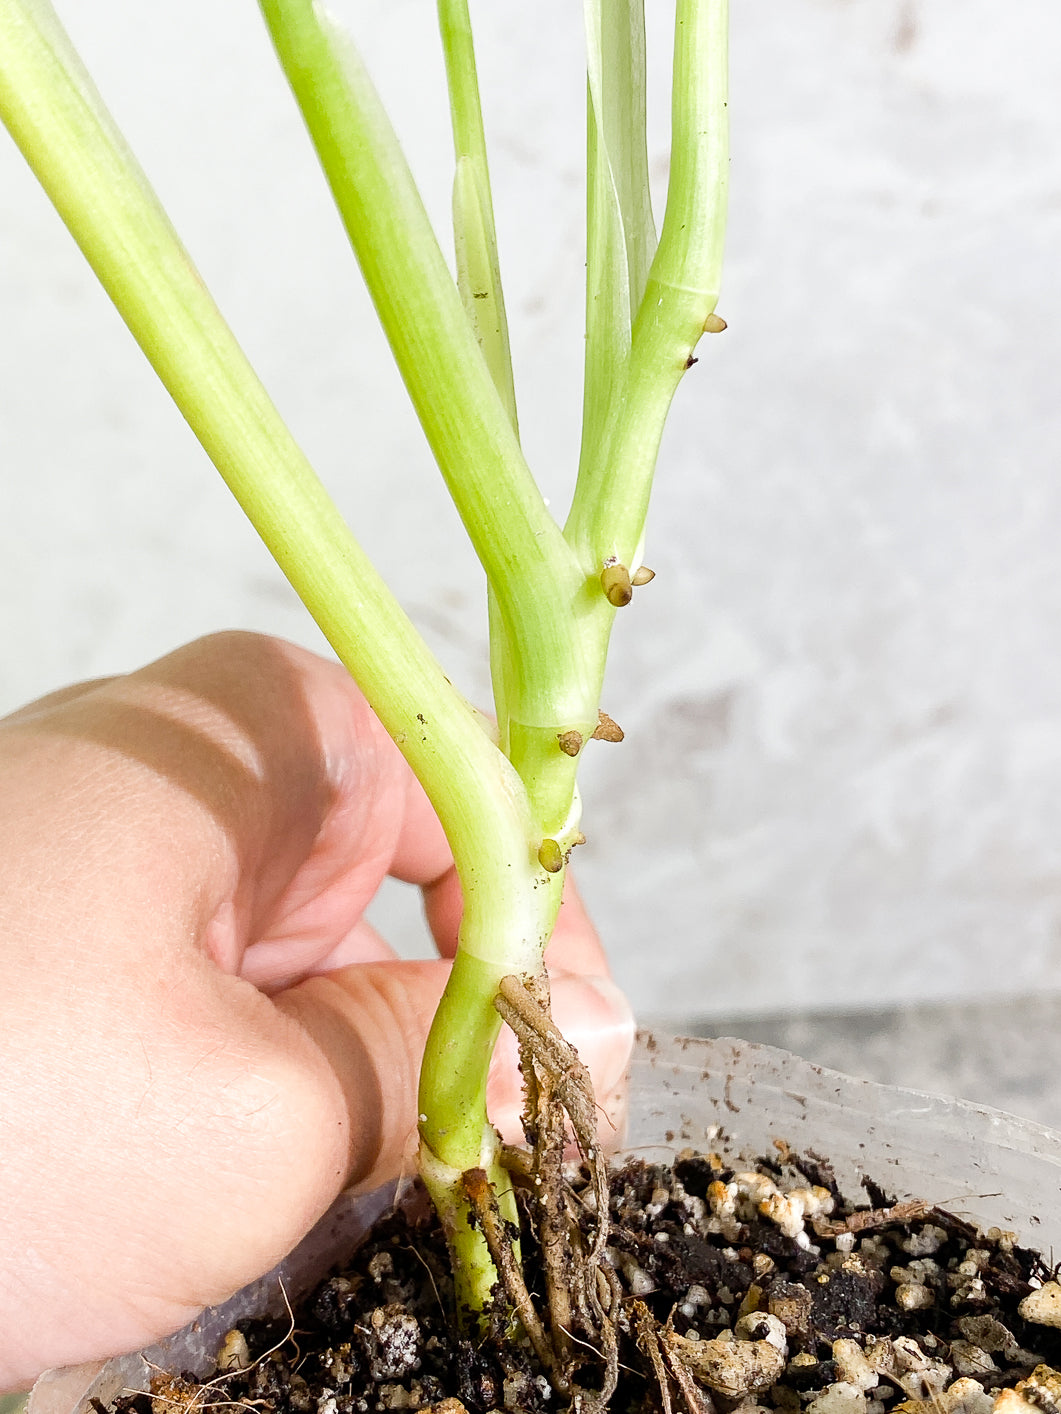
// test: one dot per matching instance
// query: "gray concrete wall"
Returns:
(842, 694)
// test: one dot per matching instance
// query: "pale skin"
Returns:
(203, 1041)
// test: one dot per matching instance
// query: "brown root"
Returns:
(582, 1291)
(484, 1201)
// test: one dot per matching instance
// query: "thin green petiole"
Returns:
(479, 279)
(610, 504)
(475, 233)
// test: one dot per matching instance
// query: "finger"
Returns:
(443, 907)
(51, 700)
(258, 770)
(276, 964)
(575, 945)
(421, 853)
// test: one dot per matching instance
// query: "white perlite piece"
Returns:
(733, 1368)
(755, 1193)
(962, 1397)
(924, 1241)
(1043, 1307)
(1040, 1392)
(759, 1325)
(839, 1398)
(234, 1354)
(880, 1356)
(918, 1374)
(970, 1359)
(966, 1396)
(913, 1296)
(852, 1365)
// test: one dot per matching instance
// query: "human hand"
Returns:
(203, 1040)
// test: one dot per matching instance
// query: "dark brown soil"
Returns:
(764, 1288)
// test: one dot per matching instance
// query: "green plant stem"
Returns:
(528, 564)
(615, 476)
(545, 678)
(620, 234)
(475, 232)
(479, 277)
(60, 124)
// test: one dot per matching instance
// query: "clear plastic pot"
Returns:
(727, 1095)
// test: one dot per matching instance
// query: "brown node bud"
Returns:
(476, 1184)
(714, 324)
(615, 581)
(607, 729)
(550, 856)
(642, 575)
(570, 742)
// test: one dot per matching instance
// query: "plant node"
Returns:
(615, 581)
(570, 742)
(550, 856)
(714, 324)
(607, 729)
(642, 576)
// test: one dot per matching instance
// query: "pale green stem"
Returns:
(621, 235)
(624, 94)
(611, 499)
(528, 564)
(479, 276)
(475, 233)
(555, 619)
(500, 669)
(532, 574)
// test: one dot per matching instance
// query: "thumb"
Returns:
(370, 1023)
(239, 1118)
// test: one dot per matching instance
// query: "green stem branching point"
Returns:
(529, 567)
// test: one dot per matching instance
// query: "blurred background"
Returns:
(835, 822)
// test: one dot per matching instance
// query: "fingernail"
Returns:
(594, 1015)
